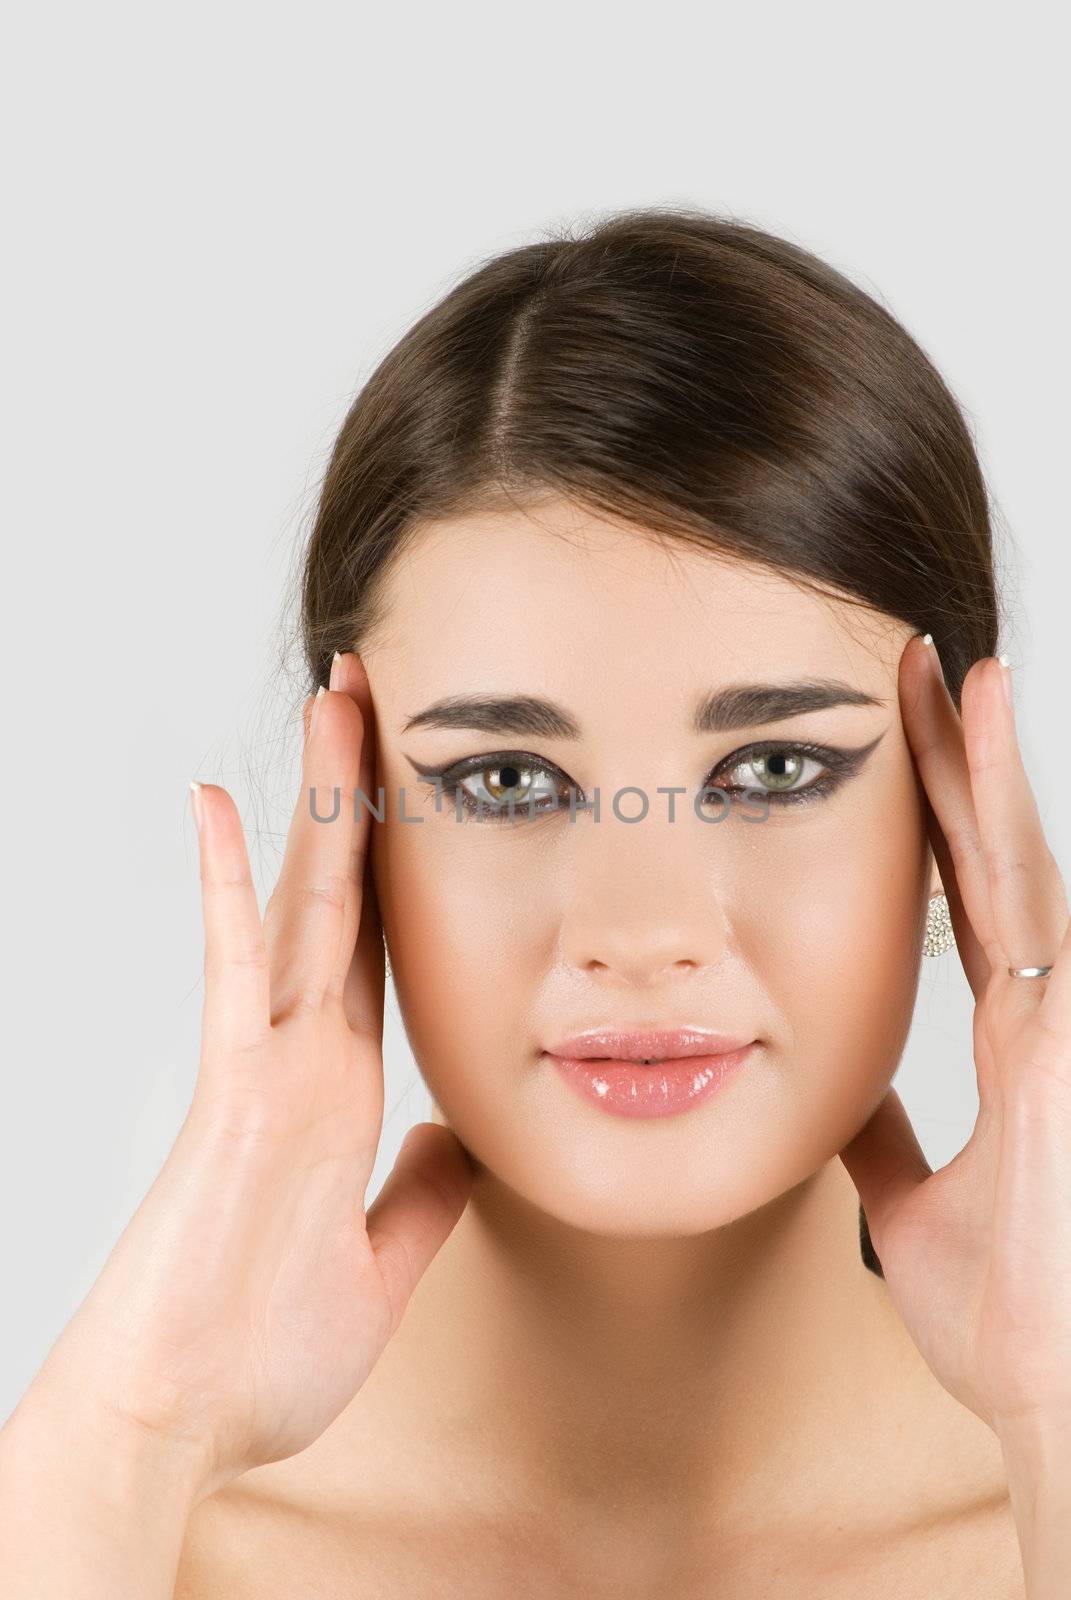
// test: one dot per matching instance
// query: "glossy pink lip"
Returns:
(653, 1044)
(688, 1065)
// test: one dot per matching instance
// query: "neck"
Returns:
(707, 1378)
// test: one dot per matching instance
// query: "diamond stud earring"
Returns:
(940, 935)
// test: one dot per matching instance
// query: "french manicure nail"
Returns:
(927, 639)
(196, 803)
(336, 658)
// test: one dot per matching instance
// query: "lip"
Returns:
(654, 1044)
(689, 1065)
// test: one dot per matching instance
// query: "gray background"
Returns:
(219, 219)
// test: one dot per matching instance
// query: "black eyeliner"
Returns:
(842, 764)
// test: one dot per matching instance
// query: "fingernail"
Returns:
(927, 639)
(196, 803)
(315, 708)
(1006, 677)
(333, 680)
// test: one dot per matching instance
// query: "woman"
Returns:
(652, 612)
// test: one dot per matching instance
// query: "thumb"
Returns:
(416, 1209)
(885, 1162)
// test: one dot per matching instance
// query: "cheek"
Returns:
(840, 963)
(467, 938)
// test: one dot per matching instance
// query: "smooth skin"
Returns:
(534, 1340)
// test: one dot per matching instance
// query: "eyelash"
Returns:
(841, 764)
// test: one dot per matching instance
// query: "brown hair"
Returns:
(686, 372)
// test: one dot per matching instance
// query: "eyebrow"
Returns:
(738, 705)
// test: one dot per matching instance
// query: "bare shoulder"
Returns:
(980, 1552)
(256, 1540)
(249, 1545)
(962, 1543)
(240, 1545)
(973, 1555)
(214, 1554)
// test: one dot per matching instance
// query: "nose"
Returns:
(646, 904)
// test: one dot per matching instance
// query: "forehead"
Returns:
(561, 596)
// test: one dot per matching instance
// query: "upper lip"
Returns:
(655, 1044)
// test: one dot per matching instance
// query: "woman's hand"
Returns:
(977, 1255)
(250, 1295)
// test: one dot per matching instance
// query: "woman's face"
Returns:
(796, 924)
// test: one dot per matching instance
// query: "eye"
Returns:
(779, 771)
(507, 787)
(514, 786)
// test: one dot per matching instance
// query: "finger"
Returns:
(1026, 890)
(315, 895)
(362, 953)
(237, 1008)
(416, 1209)
(885, 1162)
(349, 677)
(366, 977)
(934, 732)
(1054, 1012)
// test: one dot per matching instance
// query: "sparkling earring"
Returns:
(940, 935)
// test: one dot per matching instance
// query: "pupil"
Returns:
(780, 768)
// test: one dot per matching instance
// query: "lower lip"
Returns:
(630, 1089)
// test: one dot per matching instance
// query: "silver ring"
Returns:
(1029, 972)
